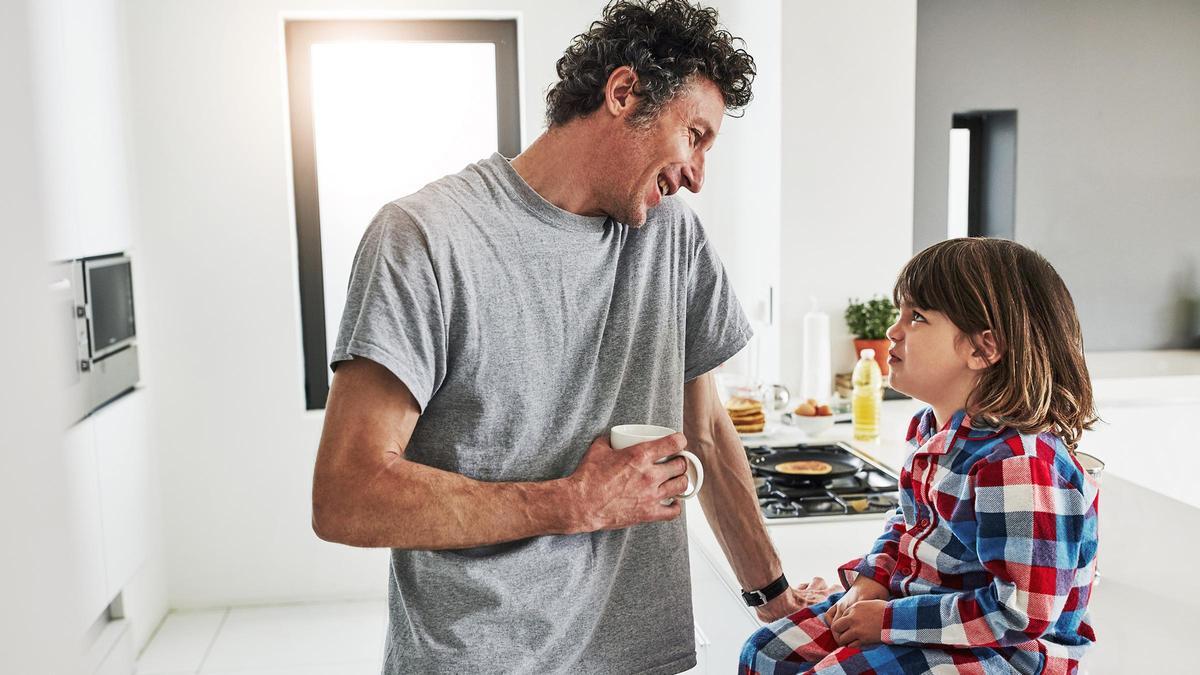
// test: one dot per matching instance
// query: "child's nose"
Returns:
(893, 332)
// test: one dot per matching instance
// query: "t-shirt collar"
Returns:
(533, 202)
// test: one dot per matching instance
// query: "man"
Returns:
(498, 322)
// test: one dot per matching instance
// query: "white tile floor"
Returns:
(305, 639)
(346, 638)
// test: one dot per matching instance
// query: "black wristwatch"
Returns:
(767, 593)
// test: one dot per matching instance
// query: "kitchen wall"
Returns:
(211, 160)
(847, 165)
(1106, 94)
(34, 566)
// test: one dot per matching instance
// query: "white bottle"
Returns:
(816, 369)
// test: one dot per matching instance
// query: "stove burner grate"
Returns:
(870, 491)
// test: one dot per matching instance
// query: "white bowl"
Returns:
(810, 425)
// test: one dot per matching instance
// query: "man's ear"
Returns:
(986, 351)
(620, 97)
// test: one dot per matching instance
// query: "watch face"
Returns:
(754, 598)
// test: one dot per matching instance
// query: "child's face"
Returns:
(930, 358)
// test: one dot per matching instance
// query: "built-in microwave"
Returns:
(98, 294)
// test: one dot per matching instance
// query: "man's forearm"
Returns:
(730, 504)
(412, 506)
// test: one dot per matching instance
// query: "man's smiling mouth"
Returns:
(664, 186)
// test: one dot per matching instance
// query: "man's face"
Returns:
(665, 155)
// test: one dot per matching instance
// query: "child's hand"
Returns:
(863, 588)
(860, 625)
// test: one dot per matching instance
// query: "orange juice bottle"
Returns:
(867, 398)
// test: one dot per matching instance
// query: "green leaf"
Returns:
(870, 320)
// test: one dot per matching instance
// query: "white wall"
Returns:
(35, 578)
(1106, 94)
(848, 78)
(208, 107)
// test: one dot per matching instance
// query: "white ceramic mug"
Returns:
(625, 435)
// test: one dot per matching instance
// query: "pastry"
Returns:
(807, 467)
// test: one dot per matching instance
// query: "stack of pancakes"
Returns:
(747, 414)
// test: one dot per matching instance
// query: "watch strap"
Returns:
(767, 593)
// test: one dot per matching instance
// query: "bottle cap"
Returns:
(867, 353)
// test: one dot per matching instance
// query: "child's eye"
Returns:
(916, 316)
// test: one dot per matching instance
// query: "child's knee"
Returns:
(756, 643)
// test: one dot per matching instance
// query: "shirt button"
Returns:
(922, 523)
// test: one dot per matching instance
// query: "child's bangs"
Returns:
(924, 281)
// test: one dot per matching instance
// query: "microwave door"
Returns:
(110, 303)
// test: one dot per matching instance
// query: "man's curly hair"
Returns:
(666, 42)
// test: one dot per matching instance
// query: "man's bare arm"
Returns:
(365, 493)
(729, 501)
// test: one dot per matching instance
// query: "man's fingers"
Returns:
(813, 598)
(674, 487)
(669, 512)
(665, 446)
(673, 467)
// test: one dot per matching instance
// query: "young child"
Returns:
(988, 564)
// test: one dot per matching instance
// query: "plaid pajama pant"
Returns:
(802, 643)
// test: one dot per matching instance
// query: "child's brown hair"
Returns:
(1040, 382)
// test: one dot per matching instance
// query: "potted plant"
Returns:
(868, 322)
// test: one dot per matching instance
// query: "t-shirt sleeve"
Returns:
(716, 325)
(394, 313)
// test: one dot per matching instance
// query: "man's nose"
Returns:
(693, 175)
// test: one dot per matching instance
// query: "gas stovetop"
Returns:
(870, 492)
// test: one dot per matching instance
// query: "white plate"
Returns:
(768, 431)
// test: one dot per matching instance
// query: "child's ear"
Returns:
(986, 351)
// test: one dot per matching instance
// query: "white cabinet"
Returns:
(723, 622)
(86, 535)
(108, 475)
(123, 467)
(81, 135)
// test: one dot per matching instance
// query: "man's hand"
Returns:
(863, 588)
(617, 488)
(860, 625)
(795, 599)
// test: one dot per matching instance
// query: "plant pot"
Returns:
(881, 352)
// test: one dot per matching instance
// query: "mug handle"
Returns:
(695, 476)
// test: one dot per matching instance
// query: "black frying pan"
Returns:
(843, 465)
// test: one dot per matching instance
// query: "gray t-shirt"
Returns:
(524, 332)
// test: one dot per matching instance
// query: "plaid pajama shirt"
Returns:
(989, 562)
